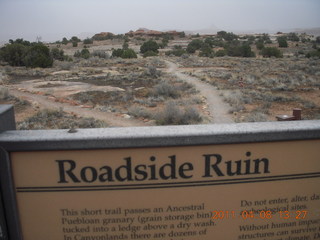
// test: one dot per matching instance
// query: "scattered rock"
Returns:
(126, 116)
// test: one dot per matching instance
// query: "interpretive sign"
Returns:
(197, 190)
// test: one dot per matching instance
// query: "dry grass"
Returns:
(283, 83)
(51, 119)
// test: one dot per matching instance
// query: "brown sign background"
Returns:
(148, 210)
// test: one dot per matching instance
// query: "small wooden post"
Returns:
(297, 113)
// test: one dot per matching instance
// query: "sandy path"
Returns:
(216, 106)
(111, 119)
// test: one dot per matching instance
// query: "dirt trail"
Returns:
(111, 119)
(216, 106)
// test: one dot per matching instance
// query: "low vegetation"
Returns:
(126, 75)
(52, 119)
(24, 53)
(269, 86)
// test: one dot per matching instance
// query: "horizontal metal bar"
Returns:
(103, 138)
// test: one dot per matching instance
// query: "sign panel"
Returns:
(232, 191)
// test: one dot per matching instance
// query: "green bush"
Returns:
(227, 36)
(260, 45)
(100, 54)
(282, 41)
(194, 45)
(57, 54)
(177, 51)
(221, 53)
(14, 54)
(150, 54)
(271, 52)
(83, 54)
(266, 38)
(125, 46)
(88, 41)
(65, 41)
(75, 39)
(129, 53)
(149, 46)
(117, 52)
(124, 53)
(24, 53)
(235, 50)
(206, 51)
(182, 34)
(315, 54)
(293, 37)
(38, 55)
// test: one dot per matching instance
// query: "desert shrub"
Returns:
(125, 46)
(221, 53)
(250, 40)
(315, 54)
(75, 39)
(149, 46)
(177, 51)
(174, 115)
(165, 90)
(150, 54)
(206, 51)
(74, 44)
(152, 71)
(293, 37)
(138, 112)
(256, 116)
(124, 53)
(20, 41)
(235, 50)
(194, 45)
(88, 41)
(210, 41)
(164, 43)
(233, 98)
(65, 65)
(129, 53)
(100, 54)
(57, 54)
(266, 38)
(192, 116)
(38, 55)
(271, 52)
(117, 52)
(260, 45)
(24, 53)
(227, 36)
(14, 54)
(84, 53)
(57, 119)
(182, 34)
(64, 41)
(282, 41)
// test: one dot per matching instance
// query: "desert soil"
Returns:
(43, 102)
